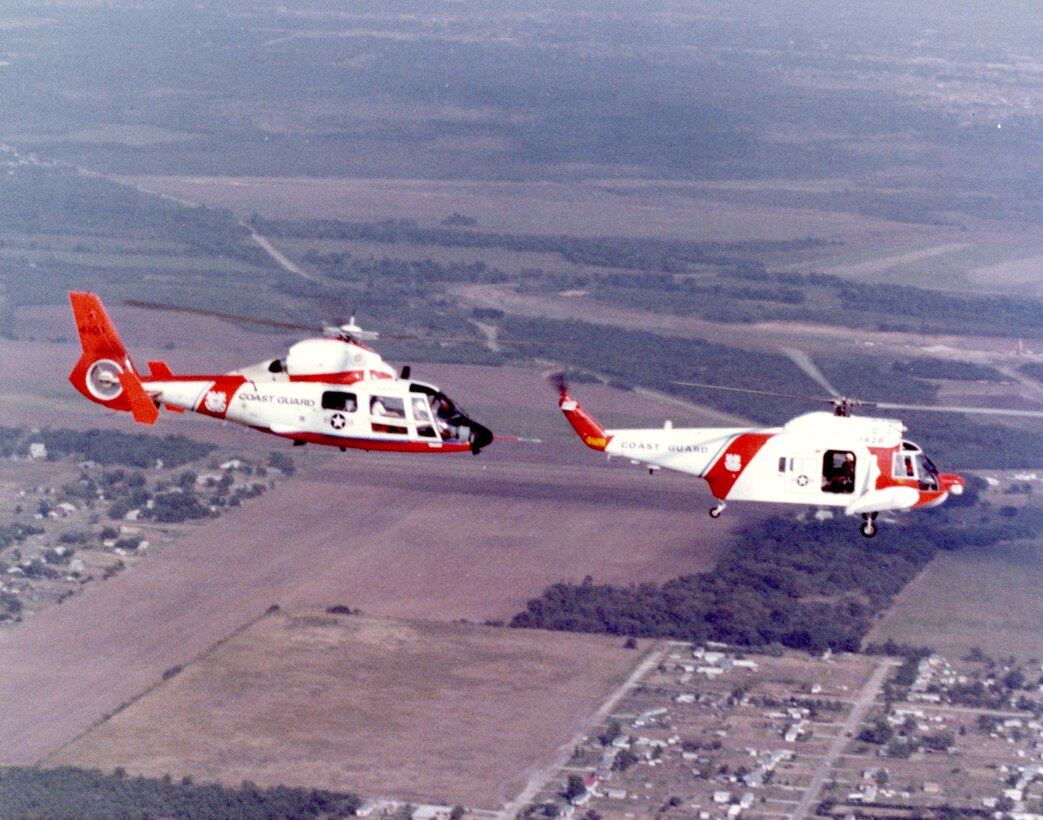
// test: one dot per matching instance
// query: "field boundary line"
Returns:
(169, 674)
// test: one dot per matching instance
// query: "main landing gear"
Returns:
(715, 512)
(868, 528)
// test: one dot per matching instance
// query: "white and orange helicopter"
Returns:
(332, 390)
(860, 464)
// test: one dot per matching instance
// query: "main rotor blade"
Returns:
(803, 361)
(991, 411)
(216, 314)
(755, 392)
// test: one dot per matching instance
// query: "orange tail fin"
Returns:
(588, 429)
(105, 374)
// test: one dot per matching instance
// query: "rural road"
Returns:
(278, 256)
(865, 699)
(539, 778)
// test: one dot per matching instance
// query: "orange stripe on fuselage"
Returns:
(731, 464)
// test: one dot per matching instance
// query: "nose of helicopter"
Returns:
(953, 483)
(481, 436)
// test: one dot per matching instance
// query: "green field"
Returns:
(985, 597)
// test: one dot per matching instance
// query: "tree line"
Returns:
(88, 794)
(666, 255)
(808, 586)
(106, 446)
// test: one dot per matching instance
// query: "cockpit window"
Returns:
(425, 425)
(910, 464)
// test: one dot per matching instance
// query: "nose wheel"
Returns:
(868, 528)
(715, 512)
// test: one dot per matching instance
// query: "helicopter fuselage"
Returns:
(371, 414)
(332, 391)
(860, 464)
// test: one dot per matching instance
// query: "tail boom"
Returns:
(587, 428)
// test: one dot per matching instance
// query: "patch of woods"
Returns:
(56, 201)
(87, 794)
(807, 586)
(667, 255)
(719, 281)
(105, 446)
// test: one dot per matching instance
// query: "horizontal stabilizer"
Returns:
(160, 370)
(142, 408)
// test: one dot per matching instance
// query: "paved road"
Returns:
(539, 778)
(865, 699)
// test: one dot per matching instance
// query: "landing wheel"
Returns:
(868, 528)
(715, 512)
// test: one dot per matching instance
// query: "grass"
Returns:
(988, 598)
(446, 712)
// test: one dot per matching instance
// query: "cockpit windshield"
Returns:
(436, 415)
(910, 464)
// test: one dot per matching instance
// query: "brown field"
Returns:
(988, 598)
(399, 537)
(593, 208)
(472, 539)
(870, 249)
(424, 711)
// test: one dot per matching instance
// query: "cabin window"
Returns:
(388, 415)
(338, 400)
(388, 407)
(838, 471)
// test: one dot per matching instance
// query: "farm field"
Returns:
(986, 598)
(440, 539)
(868, 249)
(583, 208)
(429, 712)
(436, 540)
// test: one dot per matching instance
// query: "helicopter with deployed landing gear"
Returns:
(862, 465)
(333, 390)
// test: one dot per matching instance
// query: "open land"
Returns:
(864, 248)
(933, 610)
(425, 711)
(396, 537)
(177, 665)
(414, 545)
